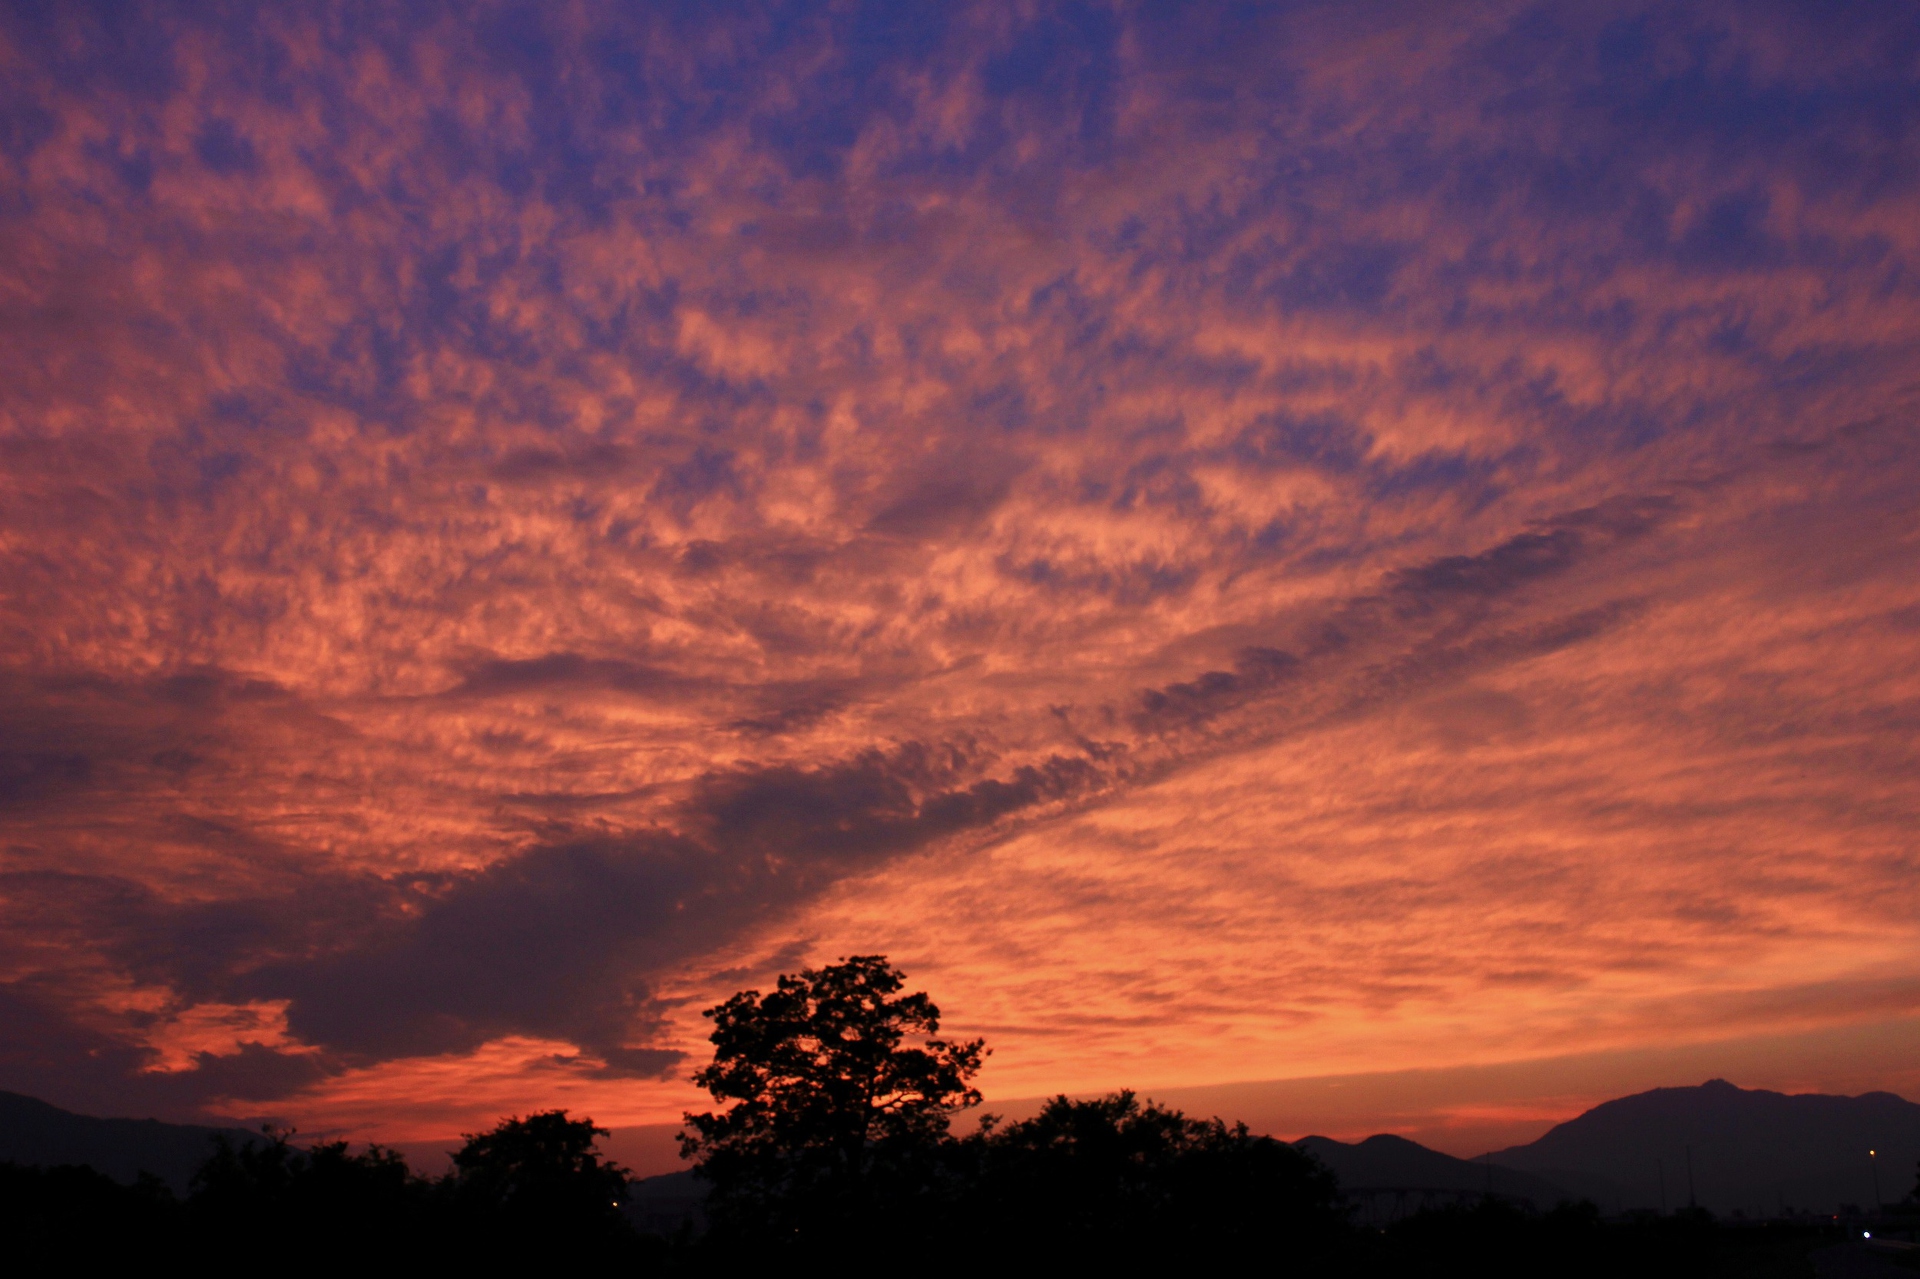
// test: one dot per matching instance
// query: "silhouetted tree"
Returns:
(839, 1097)
(250, 1175)
(1109, 1181)
(344, 1204)
(539, 1184)
(72, 1219)
(530, 1191)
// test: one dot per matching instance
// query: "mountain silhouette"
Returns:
(1385, 1163)
(1752, 1150)
(35, 1133)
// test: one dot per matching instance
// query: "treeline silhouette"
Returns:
(834, 1150)
(532, 1191)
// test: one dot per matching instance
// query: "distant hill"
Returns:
(33, 1132)
(1752, 1150)
(662, 1205)
(1388, 1163)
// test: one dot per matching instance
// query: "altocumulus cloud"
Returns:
(501, 506)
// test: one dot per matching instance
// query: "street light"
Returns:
(1873, 1162)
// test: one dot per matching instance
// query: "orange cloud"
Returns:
(1257, 550)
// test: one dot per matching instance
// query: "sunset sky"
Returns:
(1370, 546)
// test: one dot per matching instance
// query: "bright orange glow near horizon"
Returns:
(1235, 547)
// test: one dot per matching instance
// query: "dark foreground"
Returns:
(834, 1154)
(347, 1214)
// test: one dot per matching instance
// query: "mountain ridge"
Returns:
(40, 1133)
(1388, 1163)
(1731, 1149)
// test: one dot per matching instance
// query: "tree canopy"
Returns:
(1111, 1180)
(263, 1191)
(540, 1175)
(828, 1078)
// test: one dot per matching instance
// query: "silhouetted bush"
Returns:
(1113, 1182)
